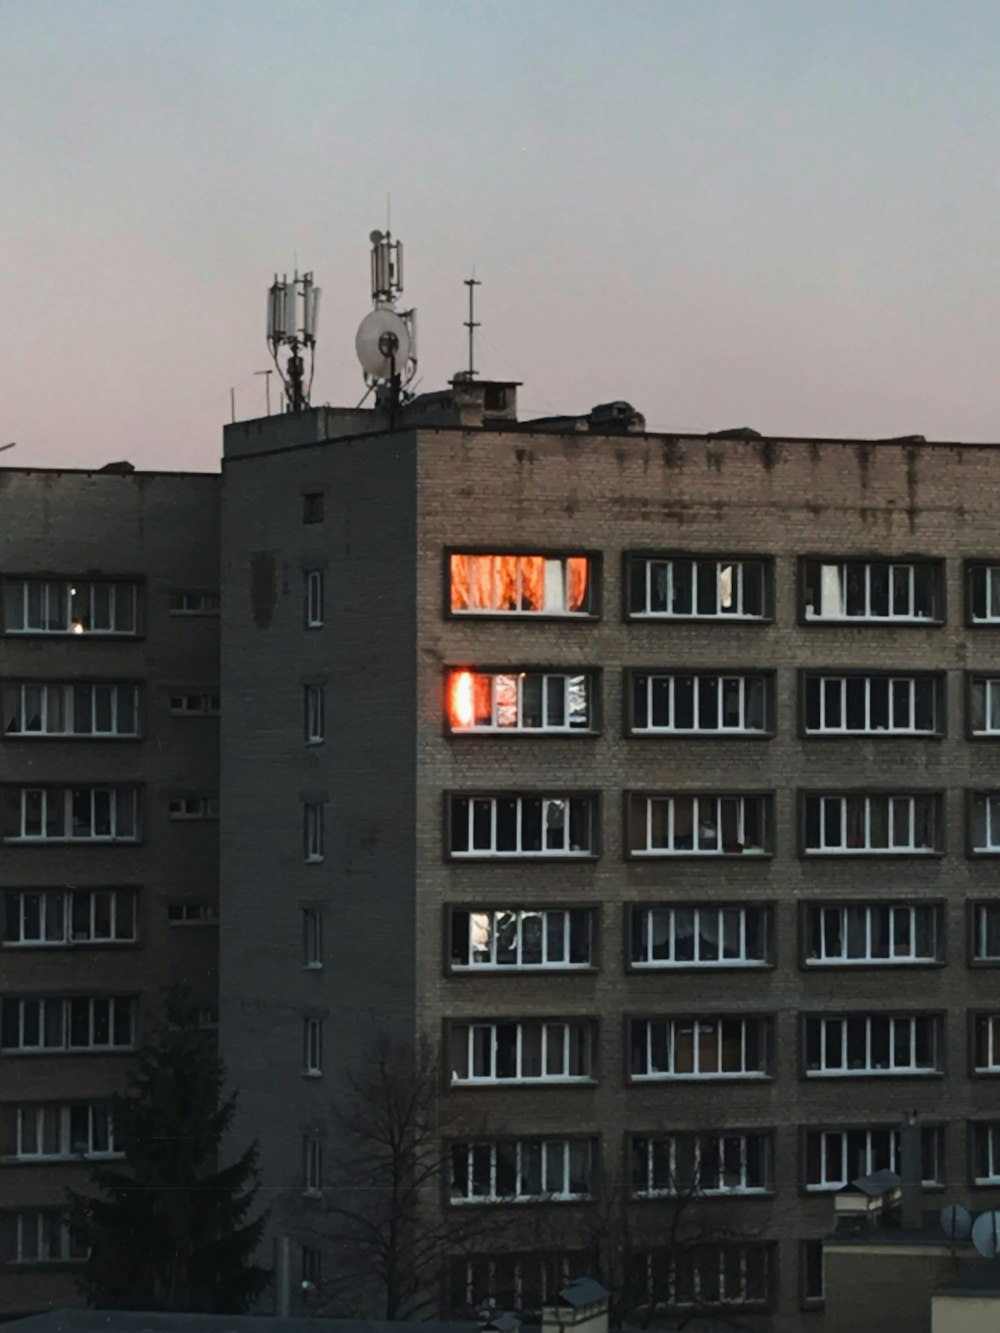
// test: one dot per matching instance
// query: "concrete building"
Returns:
(109, 788)
(654, 777)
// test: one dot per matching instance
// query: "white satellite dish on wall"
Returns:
(383, 344)
(986, 1234)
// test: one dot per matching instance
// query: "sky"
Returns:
(780, 214)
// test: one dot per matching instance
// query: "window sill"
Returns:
(637, 1080)
(908, 622)
(815, 854)
(845, 964)
(312, 967)
(72, 736)
(704, 734)
(660, 854)
(520, 969)
(565, 1082)
(312, 1073)
(875, 734)
(523, 856)
(721, 618)
(10, 1052)
(71, 842)
(525, 733)
(584, 617)
(874, 1073)
(30, 945)
(728, 964)
(655, 1196)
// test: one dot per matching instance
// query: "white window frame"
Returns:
(65, 697)
(507, 701)
(554, 1159)
(711, 1024)
(652, 1145)
(557, 1037)
(484, 933)
(32, 1229)
(315, 714)
(898, 806)
(889, 1142)
(61, 904)
(730, 1282)
(708, 816)
(986, 1150)
(833, 692)
(832, 576)
(55, 797)
(900, 931)
(703, 914)
(746, 683)
(312, 1169)
(981, 931)
(902, 1033)
(729, 580)
(549, 805)
(991, 1023)
(313, 598)
(991, 592)
(313, 832)
(312, 1037)
(191, 603)
(984, 822)
(63, 1007)
(193, 807)
(59, 614)
(555, 585)
(33, 1119)
(185, 913)
(195, 704)
(312, 938)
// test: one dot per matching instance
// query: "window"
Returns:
(984, 593)
(312, 814)
(986, 932)
(984, 704)
(858, 933)
(705, 1047)
(34, 709)
(811, 1274)
(691, 1163)
(871, 1044)
(520, 701)
(698, 825)
(70, 814)
(984, 816)
(194, 603)
(523, 826)
(193, 914)
(38, 1236)
(313, 1042)
(312, 937)
(312, 507)
(987, 1043)
(705, 936)
(699, 703)
(517, 1282)
(873, 705)
(858, 825)
(80, 1023)
(701, 588)
(194, 705)
(47, 1131)
(193, 807)
(531, 1051)
(873, 590)
(986, 1152)
(521, 1170)
(505, 938)
(313, 598)
(312, 1266)
(312, 1156)
(60, 606)
(69, 916)
(314, 710)
(521, 585)
(835, 1157)
(702, 1275)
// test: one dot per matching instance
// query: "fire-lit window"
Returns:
(523, 825)
(515, 701)
(500, 939)
(521, 585)
(699, 588)
(63, 606)
(698, 825)
(705, 1047)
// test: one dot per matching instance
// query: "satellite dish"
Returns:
(986, 1234)
(375, 237)
(956, 1221)
(374, 344)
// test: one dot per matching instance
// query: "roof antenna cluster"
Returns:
(292, 318)
(386, 341)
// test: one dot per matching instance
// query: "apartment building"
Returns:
(109, 796)
(653, 777)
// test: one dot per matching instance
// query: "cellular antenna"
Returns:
(471, 323)
(386, 341)
(292, 319)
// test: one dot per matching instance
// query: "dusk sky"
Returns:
(780, 213)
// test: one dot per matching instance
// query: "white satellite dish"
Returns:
(383, 344)
(956, 1221)
(986, 1234)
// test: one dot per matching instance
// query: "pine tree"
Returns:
(168, 1229)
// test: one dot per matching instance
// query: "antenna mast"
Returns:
(472, 323)
(292, 318)
(386, 341)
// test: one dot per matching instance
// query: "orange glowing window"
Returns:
(520, 584)
(470, 700)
